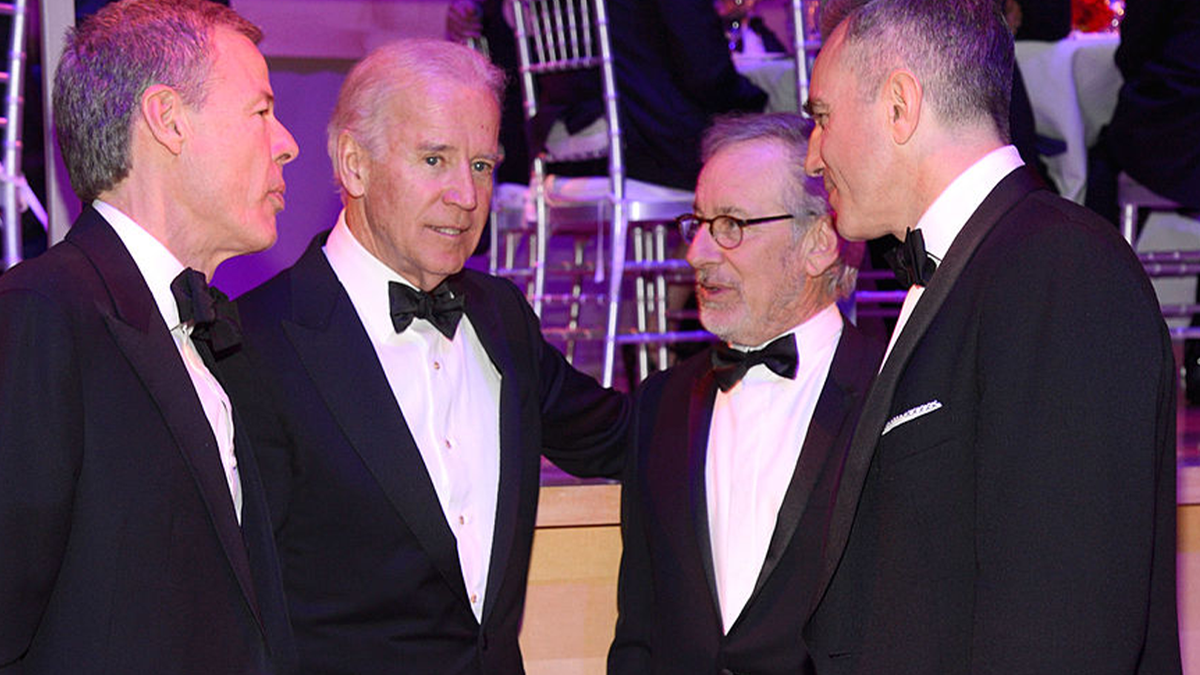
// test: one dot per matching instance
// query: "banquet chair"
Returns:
(14, 191)
(806, 41)
(561, 36)
(1133, 198)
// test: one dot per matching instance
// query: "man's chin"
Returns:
(721, 324)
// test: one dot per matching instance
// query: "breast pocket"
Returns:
(915, 431)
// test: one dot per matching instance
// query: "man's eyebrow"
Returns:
(430, 146)
(433, 146)
(812, 107)
(263, 97)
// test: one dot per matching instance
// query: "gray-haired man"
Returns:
(134, 536)
(739, 449)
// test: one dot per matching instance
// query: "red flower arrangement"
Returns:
(1092, 16)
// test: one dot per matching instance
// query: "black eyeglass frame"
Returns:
(740, 224)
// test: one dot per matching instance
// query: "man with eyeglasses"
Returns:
(737, 450)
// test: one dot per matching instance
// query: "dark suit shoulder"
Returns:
(310, 277)
(59, 273)
(496, 289)
(1047, 236)
(678, 379)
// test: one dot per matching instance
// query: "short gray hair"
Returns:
(108, 63)
(806, 198)
(960, 50)
(363, 109)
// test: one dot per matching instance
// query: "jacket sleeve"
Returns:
(1074, 464)
(583, 424)
(632, 647)
(41, 441)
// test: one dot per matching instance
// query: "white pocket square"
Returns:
(911, 414)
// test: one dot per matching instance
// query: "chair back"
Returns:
(557, 36)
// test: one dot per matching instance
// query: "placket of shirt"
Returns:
(737, 518)
(910, 302)
(454, 476)
(217, 409)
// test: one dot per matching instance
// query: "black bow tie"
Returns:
(441, 307)
(214, 318)
(730, 365)
(913, 267)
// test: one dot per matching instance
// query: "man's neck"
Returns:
(152, 212)
(950, 155)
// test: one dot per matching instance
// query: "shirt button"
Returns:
(474, 598)
(437, 365)
(462, 520)
(448, 444)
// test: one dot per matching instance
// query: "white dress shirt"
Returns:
(159, 267)
(758, 428)
(946, 216)
(449, 394)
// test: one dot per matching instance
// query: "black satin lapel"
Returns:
(699, 421)
(1002, 198)
(489, 326)
(820, 443)
(140, 334)
(156, 360)
(260, 546)
(131, 296)
(345, 370)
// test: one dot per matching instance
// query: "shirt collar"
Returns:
(364, 277)
(943, 220)
(157, 264)
(817, 331)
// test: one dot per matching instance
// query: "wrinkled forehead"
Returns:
(234, 60)
(743, 176)
(444, 113)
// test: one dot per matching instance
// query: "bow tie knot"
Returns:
(441, 307)
(214, 318)
(730, 365)
(909, 261)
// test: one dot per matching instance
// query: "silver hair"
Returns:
(960, 50)
(392, 70)
(806, 197)
(108, 63)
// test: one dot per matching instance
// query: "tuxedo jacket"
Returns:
(120, 551)
(670, 620)
(1008, 500)
(370, 565)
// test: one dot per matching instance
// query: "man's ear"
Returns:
(904, 96)
(352, 165)
(165, 116)
(822, 249)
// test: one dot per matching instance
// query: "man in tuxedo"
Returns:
(401, 404)
(134, 532)
(739, 448)
(1008, 500)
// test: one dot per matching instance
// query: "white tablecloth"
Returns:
(774, 74)
(1073, 85)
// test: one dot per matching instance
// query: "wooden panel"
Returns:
(571, 607)
(1188, 570)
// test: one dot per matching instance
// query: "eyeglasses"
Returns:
(725, 230)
